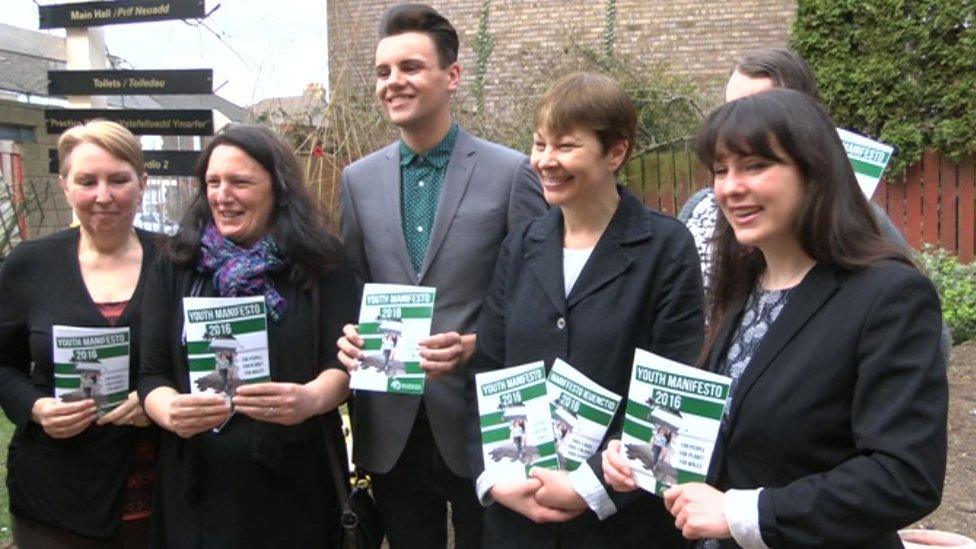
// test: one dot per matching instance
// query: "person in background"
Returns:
(599, 275)
(835, 431)
(263, 480)
(431, 209)
(759, 71)
(77, 479)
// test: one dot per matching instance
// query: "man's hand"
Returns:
(440, 354)
(350, 347)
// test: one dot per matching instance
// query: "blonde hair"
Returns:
(113, 137)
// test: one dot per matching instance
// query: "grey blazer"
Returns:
(488, 191)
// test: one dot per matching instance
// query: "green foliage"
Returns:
(956, 284)
(609, 27)
(6, 431)
(483, 46)
(902, 71)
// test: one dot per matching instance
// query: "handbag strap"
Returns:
(349, 520)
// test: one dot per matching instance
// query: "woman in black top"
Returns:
(597, 276)
(835, 432)
(67, 466)
(259, 478)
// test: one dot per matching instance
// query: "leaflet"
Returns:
(393, 318)
(868, 158)
(582, 411)
(516, 426)
(91, 363)
(226, 342)
(671, 421)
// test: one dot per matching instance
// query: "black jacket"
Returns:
(641, 287)
(841, 414)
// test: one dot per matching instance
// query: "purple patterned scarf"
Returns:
(240, 272)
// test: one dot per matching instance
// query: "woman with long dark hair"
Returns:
(835, 434)
(259, 478)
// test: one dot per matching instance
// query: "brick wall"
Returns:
(54, 214)
(697, 39)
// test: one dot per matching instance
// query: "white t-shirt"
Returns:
(573, 262)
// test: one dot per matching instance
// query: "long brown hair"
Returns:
(834, 226)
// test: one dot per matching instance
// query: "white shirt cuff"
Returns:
(588, 486)
(486, 481)
(742, 516)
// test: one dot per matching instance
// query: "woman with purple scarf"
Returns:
(249, 470)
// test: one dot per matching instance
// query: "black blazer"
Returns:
(841, 414)
(641, 287)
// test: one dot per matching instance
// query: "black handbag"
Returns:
(360, 521)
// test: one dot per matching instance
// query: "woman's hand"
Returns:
(615, 469)
(519, 496)
(557, 490)
(188, 415)
(699, 511)
(350, 347)
(63, 419)
(129, 413)
(293, 403)
(284, 403)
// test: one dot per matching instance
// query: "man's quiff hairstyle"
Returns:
(591, 102)
(404, 18)
(784, 67)
(113, 137)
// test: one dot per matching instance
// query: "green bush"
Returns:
(902, 72)
(956, 284)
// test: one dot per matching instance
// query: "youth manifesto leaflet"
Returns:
(226, 342)
(393, 319)
(581, 413)
(516, 426)
(671, 421)
(91, 363)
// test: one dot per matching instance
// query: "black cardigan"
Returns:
(178, 499)
(75, 483)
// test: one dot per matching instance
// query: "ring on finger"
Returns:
(272, 410)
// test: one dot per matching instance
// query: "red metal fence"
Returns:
(933, 202)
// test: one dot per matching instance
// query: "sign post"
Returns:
(96, 14)
(130, 82)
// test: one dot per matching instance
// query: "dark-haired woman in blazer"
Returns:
(835, 435)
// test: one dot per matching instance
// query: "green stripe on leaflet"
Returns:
(204, 364)
(495, 435)
(67, 382)
(864, 168)
(493, 418)
(637, 430)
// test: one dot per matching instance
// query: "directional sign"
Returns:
(106, 82)
(171, 163)
(96, 14)
(158, 163)
(138, 121)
